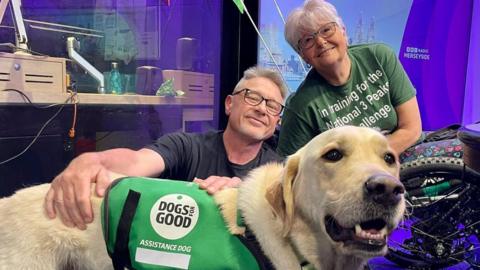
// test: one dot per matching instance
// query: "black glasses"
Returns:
(327, 30)
(254, 98)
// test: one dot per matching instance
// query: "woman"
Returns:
(363, 85)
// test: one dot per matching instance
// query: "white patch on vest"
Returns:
(162, 258)
(173, 216)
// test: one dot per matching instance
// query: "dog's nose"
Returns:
(384, 189)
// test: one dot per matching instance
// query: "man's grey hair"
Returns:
(308, 18)
(257, 71)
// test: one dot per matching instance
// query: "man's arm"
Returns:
(144, 162)
(409, 126)
(70, 191)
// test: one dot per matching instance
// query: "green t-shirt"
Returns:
(377, 84)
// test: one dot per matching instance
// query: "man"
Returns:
(214, 160)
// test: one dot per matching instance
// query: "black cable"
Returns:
(34, 139)
(44, 125)
(103, 137)
(170, 14)
(10, 45)
(29, 101)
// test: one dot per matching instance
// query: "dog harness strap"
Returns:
(121, 255)
(240, 221)
(304, 264)
(250, 242)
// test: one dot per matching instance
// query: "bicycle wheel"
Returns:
(443, 226)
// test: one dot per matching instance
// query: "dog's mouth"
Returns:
(370, 235)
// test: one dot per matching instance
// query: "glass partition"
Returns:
(140, 36)
(135, 69)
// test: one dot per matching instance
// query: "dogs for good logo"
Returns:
(173, 216)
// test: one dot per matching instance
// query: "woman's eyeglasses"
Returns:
(327, 30)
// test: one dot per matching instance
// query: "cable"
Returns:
(103, 137)
(44, 125)
(34, 139)
(283, 20)
(22, 49)
(265, 44)
(27, 99)
(71, 132)
(170, 14)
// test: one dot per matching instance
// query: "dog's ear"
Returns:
(280, 195)
(274, 197)
(291, 171)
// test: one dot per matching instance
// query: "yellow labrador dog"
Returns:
(332, 204)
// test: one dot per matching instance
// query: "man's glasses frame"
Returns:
(325, 31)
(254, 98)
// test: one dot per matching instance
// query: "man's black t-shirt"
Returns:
(190, 155)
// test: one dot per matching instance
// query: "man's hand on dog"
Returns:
(214, 184)
(69, 194)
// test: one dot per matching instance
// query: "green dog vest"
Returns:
(164, 224)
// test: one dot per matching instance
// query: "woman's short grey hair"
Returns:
(308, 18)
(257, 71)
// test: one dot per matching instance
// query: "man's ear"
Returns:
(228, 104)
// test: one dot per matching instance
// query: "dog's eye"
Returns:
(333, 155)
(389, 158)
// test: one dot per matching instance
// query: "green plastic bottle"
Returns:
(115, 80)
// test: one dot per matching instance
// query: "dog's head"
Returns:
(345, 184)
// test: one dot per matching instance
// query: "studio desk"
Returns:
(100, 122)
